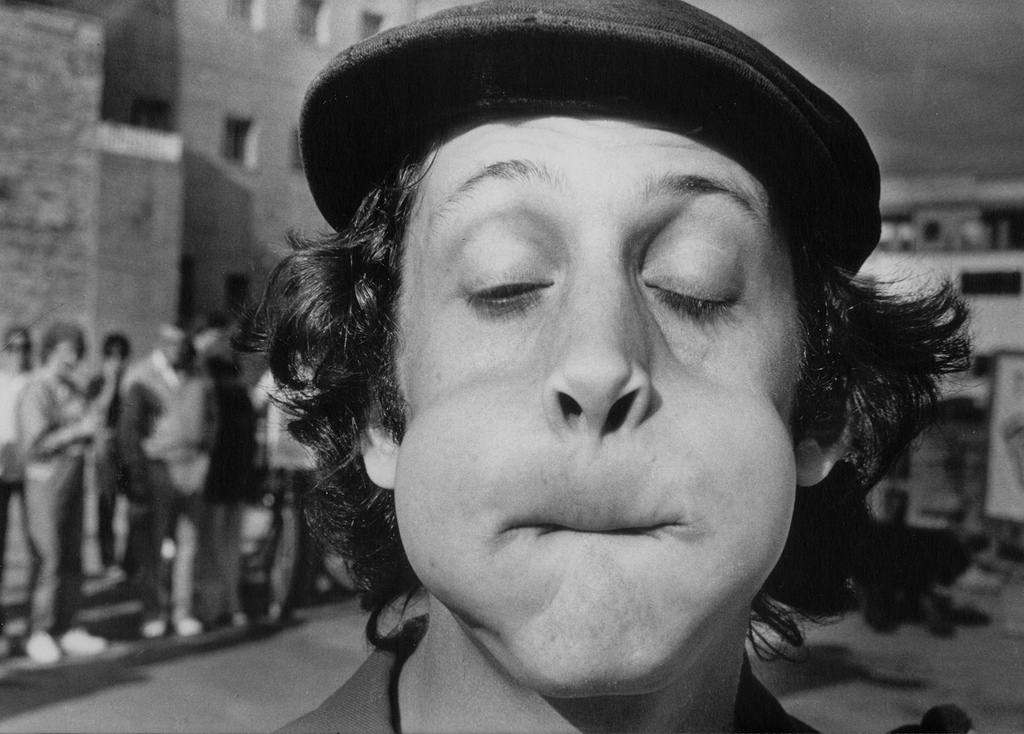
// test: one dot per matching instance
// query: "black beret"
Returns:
(660, 61)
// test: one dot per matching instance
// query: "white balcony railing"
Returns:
(139, 142)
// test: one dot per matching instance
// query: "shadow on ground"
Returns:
(827, 665)
(114, 613)
(25, 686)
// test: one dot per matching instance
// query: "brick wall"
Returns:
(49, 106)
(140, 211)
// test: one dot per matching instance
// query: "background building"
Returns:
(969, 230)
(89, 212)
(229, 77)
(150, 168)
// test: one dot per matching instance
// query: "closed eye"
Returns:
(507, 299)
(701, 310)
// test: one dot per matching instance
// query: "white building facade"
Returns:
(970, 231)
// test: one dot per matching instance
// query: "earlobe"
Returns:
(380, 457)
(815, 458)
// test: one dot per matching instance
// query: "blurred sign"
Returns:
(1005, 497)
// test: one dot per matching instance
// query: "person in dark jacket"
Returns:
(165, 435)
(229, 484)
(594, 393)
(111, 475)
(900, 570)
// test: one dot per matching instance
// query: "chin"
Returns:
(605, 623)
(583, 655)
(556, 676)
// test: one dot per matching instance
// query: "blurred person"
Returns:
(168, 423)
(111, 475)
(289, 468)
(1012, 434)
(881, 565)
(230, 482)
(904, 572)
(283, 454)
(214, 339)
(55, 427)
(15, 363)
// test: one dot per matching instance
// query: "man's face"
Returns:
(115, 360)
(599, 354)
(64, 358)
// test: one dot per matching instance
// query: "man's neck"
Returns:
(450, 684)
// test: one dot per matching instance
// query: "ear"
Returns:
(380, 456)
(816, 455)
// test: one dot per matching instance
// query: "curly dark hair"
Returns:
(59, 332)
(116, 342)
(872, 364)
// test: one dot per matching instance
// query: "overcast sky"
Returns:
(937, 85)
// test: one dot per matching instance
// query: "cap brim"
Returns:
(388, 98)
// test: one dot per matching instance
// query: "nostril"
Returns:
(618, 412)
(570, 408)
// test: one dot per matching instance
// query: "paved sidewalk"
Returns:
(232, 680)
(851, 680)
(855, 679)
(102, 599)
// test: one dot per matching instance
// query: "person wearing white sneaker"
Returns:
(79, 643)
(15, 369)
(154, 628)
(188, 627)
(168, 423)
(55, 424)
(41, 648)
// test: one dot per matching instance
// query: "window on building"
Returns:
(239, 143)
(241, 10)
(163, 8)
(8, 188)
(981, 365)
(1015, 230)
(252, 12)
(370, 23)
(931, 231)
(1007, 227)
(974, 235)
(296, 157)
(152, 113)
(992, 283)
(311, 20)
(236, 292)
(898, 234)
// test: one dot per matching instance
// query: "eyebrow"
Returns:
(670, 184)
(512, 171)
(687, 184)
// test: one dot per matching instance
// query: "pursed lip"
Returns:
(626, 530)
(612, 530)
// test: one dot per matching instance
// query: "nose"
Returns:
(600, 383)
